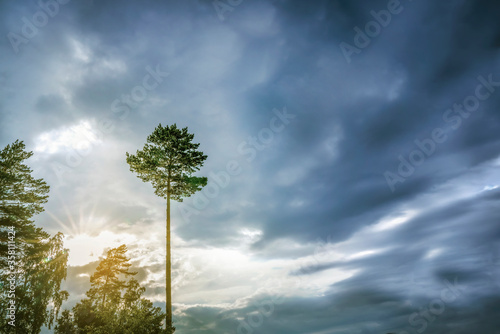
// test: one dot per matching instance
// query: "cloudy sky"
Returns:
(353, 155)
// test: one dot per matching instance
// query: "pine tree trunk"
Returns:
(168, 278)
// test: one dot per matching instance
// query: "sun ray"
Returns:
(63, 225)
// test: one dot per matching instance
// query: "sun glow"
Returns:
(84, 249)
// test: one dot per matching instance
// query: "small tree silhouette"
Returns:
(115, 304)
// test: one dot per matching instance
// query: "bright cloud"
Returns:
(80, 137)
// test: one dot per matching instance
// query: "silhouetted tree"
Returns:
(168, 160)
(106, 280)
(30, 258)
(114, 304)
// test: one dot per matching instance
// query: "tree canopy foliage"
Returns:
(168, 160)
(32, 263)
(114, 303)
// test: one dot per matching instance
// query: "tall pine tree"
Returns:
(168, 160)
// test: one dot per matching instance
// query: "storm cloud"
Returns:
(353, 154)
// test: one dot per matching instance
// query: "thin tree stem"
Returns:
(168, 274)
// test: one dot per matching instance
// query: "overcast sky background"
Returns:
(307, 225)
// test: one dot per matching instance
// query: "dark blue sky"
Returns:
(353, 154)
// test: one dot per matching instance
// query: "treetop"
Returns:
(168, 160)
